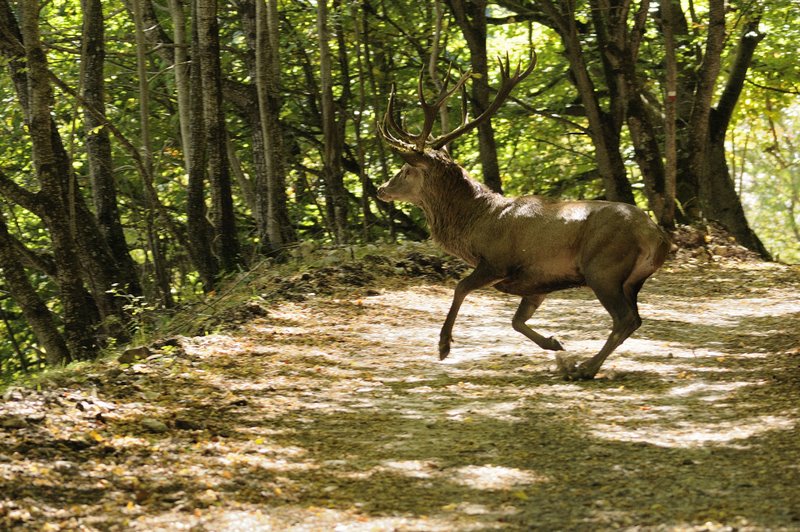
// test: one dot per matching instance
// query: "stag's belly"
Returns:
(525, 282)
(526, 287)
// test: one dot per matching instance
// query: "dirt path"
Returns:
(334, 413)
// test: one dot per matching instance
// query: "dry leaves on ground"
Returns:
(329, 410)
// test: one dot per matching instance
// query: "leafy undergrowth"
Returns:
(316, 401)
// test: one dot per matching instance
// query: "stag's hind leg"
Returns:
(620, 302)
(527, 307)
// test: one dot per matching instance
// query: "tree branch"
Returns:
(19, 195)
(748, 42)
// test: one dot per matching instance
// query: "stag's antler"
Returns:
(401, 139)
(404, 141)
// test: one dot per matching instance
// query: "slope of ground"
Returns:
(325, 408)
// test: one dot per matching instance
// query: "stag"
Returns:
(528, 246)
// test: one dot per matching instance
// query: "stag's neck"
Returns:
(452, 206)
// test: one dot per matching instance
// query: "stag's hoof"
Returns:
(580, 373)
(552, 344)
(444, 349)
(570, 371)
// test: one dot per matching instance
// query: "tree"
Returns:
(471, 18)
(708, 165)
(333, 174)
(34, 310)
(616, 35)
(274, 225)
(56, 202)
(604, 124)
(98, 144)
(150, 196)
(207, 54)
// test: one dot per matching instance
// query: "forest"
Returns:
(153, 149)
(212, 321)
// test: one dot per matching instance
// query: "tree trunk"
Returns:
(98, 146)
(200, 230)
(80, 310)
(706, 162)
(180, 68)
(36, 313)
(671, 98)
(275, 227)
(718, 196)
(333, 174)
(59, 202)
(721, 203)
(471, 18)
(696, 162)
(222, 213)
(153, 237)
(604, 128)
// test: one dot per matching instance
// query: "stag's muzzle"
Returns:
(383, 195)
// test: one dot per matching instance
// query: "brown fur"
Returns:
(530, 246)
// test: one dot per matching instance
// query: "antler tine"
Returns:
(533, 58)
(505, 69)
(464, 106)
(431, 109)
(389, 126)
(428, 110)
(507, 84)
(446, 81)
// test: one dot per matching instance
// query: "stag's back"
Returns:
(543, 245)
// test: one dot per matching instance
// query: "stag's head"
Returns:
(426, 156)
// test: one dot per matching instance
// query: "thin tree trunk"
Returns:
(200, 230)
(620, 44)
(246, 187)
(36, 313)
(181, 72)
(226, 239)
(332, 168)
(15, 345)
(699, 120)
(670, 116)
(159, 262)
(275, 227)
(433, 62)
(98, 145)
(471, 18)
(357, 124)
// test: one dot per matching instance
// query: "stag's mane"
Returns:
(453, 202)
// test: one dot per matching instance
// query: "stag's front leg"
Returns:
(481, 276)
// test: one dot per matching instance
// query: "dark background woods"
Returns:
(152, 148)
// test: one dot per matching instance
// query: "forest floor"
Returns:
(317, 401)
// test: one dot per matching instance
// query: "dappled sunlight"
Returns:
(490, 477)
(696, 434)
(289, 517)
(336, 414)
(504, 411)
(705, 391)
